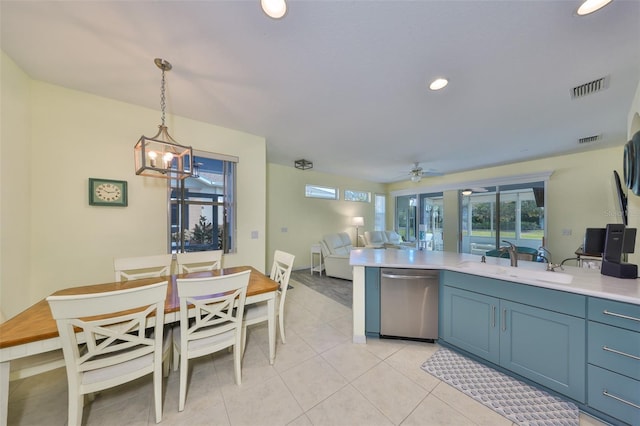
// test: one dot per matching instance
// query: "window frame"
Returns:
(312, 191)
(224, 203)
(365, 196)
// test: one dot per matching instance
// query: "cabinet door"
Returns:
(470, 322)
(544, 346)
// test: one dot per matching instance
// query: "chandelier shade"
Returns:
(160, 155)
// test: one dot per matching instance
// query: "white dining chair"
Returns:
(105, 344)
(257, 313)
(211, 311)
(195, 261)
(133, 268)
(21, 368)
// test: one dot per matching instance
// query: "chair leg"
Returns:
(157, 391)
(184, 366)
(244, 340)
(175, 357)
(281, 323)
(76, 402)
(237, 364)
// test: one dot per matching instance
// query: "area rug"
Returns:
(521, 403)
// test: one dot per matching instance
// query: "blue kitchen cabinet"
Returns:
(532, 341)
(372, 302)
(468, 321)
(613, 354)
(544, 346)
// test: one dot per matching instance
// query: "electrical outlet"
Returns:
(284, 229)
(254, 235)
(566, 232)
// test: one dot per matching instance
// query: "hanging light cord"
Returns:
(162, 97)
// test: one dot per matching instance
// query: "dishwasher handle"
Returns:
(408, 277)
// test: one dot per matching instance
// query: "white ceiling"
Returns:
(344, 83)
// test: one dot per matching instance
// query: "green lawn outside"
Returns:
(530, 235)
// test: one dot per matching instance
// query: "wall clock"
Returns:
(107, 192)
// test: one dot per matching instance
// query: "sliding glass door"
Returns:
(420, 219)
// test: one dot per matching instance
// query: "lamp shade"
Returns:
(357, 221)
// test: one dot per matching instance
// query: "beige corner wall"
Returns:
(634, 200)
(54, 239)
(294, 222)
(15, 199)
(580, 195)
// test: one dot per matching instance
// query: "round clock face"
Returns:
(108, 192)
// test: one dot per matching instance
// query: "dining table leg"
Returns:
(5, 369)
(271, 312)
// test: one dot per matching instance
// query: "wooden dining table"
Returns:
(34, 331)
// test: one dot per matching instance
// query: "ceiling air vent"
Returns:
(590, 87)
(589, 139)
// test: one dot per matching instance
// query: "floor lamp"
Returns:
(357, 221)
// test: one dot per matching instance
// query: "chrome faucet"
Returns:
(513, 252)
(550, 265)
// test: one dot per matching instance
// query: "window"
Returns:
(506, 212)
(315, 191)
(202, 209)
(362, 196)
(380, 213)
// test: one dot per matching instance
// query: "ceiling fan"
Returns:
(469, 191)
(417, 173)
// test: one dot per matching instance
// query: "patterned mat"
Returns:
(515, 400)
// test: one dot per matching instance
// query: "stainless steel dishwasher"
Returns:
(409, 304)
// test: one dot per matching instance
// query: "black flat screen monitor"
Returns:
(594, 239)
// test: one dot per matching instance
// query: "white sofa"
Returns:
(336, 249)
(385, 239)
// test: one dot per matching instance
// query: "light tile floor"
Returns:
(319, 378)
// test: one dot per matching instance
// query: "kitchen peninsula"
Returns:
(575, 332)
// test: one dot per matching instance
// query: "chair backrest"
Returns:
(281, 270)
(109, 341)
(199, 261)
(133, 268)
(212, 301)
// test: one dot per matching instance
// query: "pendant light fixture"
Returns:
(161, 156)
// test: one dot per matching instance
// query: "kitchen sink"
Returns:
(505, 272)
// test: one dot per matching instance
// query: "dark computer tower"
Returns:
(594, 241)
(612, 264)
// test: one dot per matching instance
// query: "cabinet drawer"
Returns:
(615, 313)
(615, 349)
(614, 394)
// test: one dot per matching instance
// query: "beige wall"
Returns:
(634, 200)
(54, 239)
(307, 219)
(580, 195)
(15, 199)
(53, 139)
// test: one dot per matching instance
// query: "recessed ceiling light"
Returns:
(590, 6)
(274, 8)
(438, 83)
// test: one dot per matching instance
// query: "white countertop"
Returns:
(588, 282)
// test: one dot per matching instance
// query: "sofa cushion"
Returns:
(338, 244)
(393, 237)
(375, 238)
